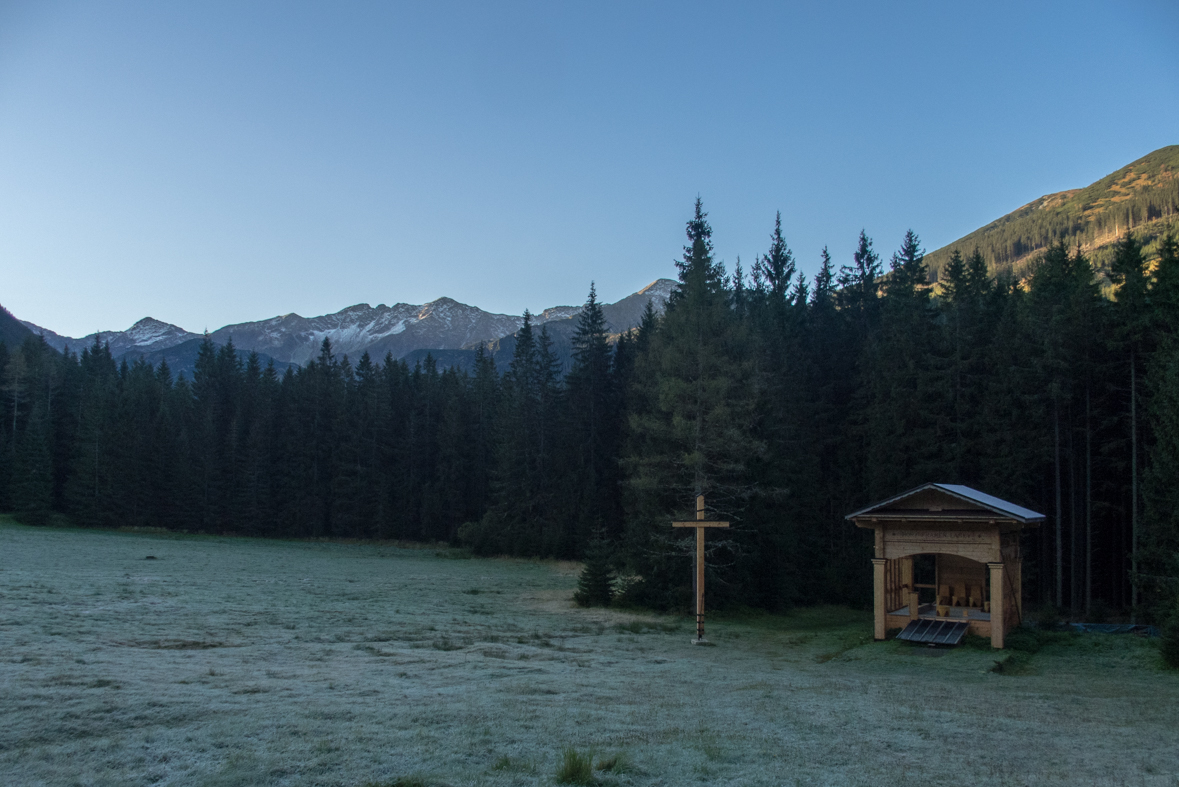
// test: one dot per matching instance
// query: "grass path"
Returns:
(242, 662)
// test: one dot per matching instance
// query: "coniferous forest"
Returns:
(787, 402)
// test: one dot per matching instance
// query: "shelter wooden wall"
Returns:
(961, 573)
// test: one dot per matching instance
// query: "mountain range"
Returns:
(449, 330)
(1142, 197)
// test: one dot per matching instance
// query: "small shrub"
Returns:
(1029, 640)
(576, 768)
(595, 586)
(482, 537)
(975, 642)
(33, 518)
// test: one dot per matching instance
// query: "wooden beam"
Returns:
(998, 629)
(700, 523)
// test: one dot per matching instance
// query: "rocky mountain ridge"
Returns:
(146, 336)
(401, 330)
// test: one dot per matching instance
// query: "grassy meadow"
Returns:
(232, 661)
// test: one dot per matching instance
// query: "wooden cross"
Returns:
(700, 523)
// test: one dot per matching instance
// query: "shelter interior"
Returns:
(947, 552)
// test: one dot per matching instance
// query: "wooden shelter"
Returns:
(973, 538)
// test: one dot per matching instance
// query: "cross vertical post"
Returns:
(700, 523)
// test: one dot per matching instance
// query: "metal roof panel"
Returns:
(990, 502)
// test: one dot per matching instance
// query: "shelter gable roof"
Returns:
(964, 499)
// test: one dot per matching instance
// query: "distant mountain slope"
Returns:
(12, 332)
(146, 336)
(628, 312)
(398, 329)
(1142, 196)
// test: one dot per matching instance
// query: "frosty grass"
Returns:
(232, 661)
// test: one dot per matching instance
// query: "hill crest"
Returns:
(1142, 197)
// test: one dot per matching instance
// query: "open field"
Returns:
(237, 661)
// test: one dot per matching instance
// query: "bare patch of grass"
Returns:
(617, 763)
(644, 626)
(513, 764)
(843, 646)
(1014, 663)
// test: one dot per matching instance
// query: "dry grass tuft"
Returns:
(576, 768)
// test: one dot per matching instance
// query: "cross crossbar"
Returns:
(700, 523)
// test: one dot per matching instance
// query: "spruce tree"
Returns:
(592, 408)
(595, 585)
(903, 382)
(694, 432)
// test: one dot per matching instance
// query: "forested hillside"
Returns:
(788, 403)
(11, 331)
(1141, 198)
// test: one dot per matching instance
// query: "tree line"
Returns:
(788, 403)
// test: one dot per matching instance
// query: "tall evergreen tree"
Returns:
(592, 406)
(695, 431)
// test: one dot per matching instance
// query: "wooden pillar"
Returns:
(997, 622)
(699, 583)
(910, 592)
(1017, 571)
(878, 596)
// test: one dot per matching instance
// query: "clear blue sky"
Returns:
(214, 162)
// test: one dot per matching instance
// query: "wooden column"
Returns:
(1017, 569)
(878, 595)
(699, 581)
(997, 594)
